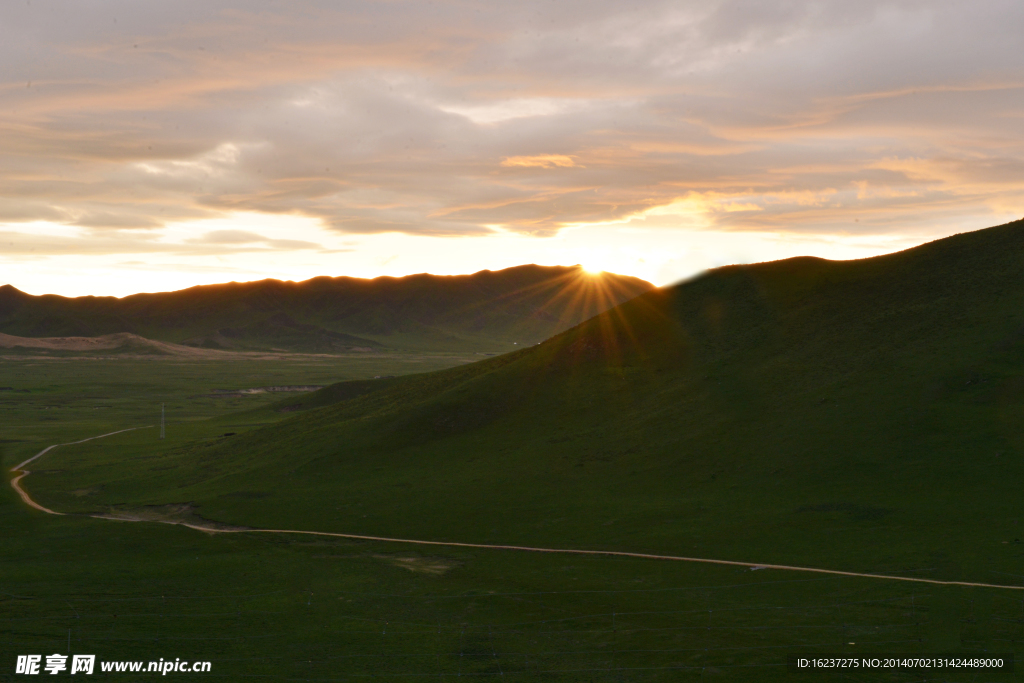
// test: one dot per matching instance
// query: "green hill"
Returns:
(484, 311)
(861, 415)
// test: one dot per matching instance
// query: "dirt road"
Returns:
(24, 473)
(453, 544)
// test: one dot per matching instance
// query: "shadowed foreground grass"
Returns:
(288, 608)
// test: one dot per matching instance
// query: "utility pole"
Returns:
(162, 432)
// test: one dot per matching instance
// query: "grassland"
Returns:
(862, 416)
(68, 396)
(293, 609)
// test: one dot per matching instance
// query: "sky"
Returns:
(150, 146)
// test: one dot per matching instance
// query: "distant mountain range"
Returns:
(489, 310)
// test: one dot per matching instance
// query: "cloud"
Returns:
(228, 237)
(243, 240)
(49, 242)
(429, 119)
(36, 245)
(540, 160)
(292, 245)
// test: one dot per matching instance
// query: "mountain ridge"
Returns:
(490, 310)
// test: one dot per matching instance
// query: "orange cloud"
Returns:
(541, 160)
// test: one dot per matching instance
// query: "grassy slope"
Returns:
(292, 607)
(860, 415)
(484, 311)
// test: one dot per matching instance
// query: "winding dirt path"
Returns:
(452, 544)
(24, 473)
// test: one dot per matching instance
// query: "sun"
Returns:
(593, 260)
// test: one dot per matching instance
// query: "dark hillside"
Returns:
(487, 310)
(863, 415)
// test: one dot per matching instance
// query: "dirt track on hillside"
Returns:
(24, 473)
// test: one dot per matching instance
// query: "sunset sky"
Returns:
(151, 146)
